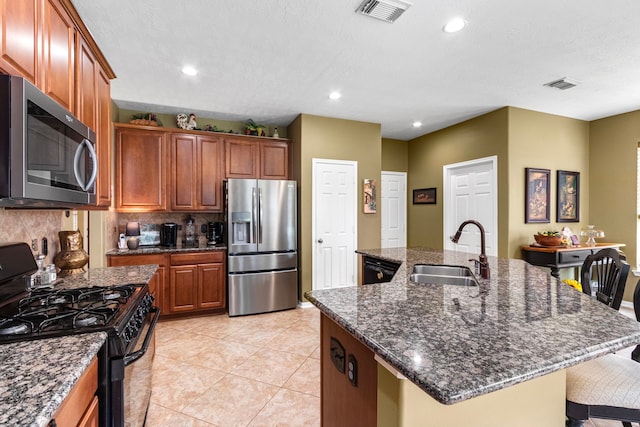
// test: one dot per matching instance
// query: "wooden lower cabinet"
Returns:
(184, 282)
(80, 407)
(196, 282)
(343, 402)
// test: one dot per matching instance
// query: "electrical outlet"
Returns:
(34, 244)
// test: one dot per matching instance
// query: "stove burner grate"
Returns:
(15, 326)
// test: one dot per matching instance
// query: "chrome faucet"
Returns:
(482, 261)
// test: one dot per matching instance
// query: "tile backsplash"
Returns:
(160, 217)
(24, 225)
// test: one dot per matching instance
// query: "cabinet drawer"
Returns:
(197, 258)
(127, 260)
(567, 257)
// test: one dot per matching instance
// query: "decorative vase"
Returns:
(72, 257)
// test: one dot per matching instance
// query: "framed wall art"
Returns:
(424, 196)
(537, 187)
(568, 197)
(370, 196)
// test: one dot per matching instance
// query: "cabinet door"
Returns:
(274, 160)
(183, 288)
(90, 417)
(211, 284)
(20, 22)
(183, 172)
(103, 139)
(209, 181)
(86, 91)
(241, 158)
(157, 286)
(140, 170)
(58, 54)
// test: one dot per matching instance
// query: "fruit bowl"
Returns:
(548, 240)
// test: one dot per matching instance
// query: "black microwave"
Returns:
(47, 156)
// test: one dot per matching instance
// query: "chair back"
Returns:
(607, 272)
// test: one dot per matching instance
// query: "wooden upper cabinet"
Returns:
(86, 91)
(241, 158)
(20, 45)
(256, 158)
(103, 139)
(274, 160)
(195, 173)
(140, 170)
(58, 53)
(209, 182)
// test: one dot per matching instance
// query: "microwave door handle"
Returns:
(76, 164)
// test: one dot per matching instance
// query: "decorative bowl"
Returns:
(548, 240)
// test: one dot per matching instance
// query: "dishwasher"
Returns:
(377, 270)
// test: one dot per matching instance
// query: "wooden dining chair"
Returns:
(607, 387)
(607, 271)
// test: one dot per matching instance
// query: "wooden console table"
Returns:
(557, 257)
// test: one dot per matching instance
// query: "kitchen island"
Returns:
(486, 354)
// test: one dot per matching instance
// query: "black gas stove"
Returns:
(125, 313)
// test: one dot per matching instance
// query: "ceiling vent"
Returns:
(386, 10)
(562, 84)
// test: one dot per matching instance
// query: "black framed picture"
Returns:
(424, 196)
(568, 197)
(537, 187)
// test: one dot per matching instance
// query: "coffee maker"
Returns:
(215, 231)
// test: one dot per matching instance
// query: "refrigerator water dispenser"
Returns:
(241, 227)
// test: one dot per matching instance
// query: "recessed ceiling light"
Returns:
(189, 71)
(335, 95)
(455, 25)
(417, 124)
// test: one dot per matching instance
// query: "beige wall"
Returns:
(476, 138)
(613, 187)
(327, 138)
(395, 155)
(545, 141)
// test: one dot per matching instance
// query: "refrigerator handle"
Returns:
(260, 218)
(254, 213)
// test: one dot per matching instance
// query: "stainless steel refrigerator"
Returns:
(262, 245)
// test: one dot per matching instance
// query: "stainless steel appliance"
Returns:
(261, 218)
(126, 313)
(169, 234)
(47, 155)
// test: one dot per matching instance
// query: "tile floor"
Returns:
(259, 370)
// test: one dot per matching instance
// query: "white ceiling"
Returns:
(272, 59)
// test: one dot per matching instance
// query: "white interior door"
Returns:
(471, 192)
(334, 223)
(393, 215)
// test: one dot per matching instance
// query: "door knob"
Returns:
(320, 240)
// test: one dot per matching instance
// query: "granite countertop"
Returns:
(150, 250)
(38, 375)
(459, 342)
(107, 277)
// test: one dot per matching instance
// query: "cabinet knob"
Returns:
(320, 241)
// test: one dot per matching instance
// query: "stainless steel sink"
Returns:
(442, 270)
(443, 275)
(435, 279)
